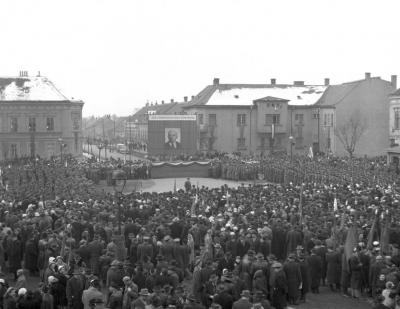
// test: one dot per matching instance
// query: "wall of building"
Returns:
(67, 126)
(369, 101)
(394, 132)
(257, 134)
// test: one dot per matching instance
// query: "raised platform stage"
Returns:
(180, 169)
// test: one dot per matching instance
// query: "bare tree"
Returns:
(350, 132)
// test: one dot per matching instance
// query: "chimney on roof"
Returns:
(192, 97)
(216, 81)
(394, 81)
(185, 99)
(172, 100)
(38, 73)
(367, 75)
(162, 102)
(298, 83)
(273, 81)
(326, 81)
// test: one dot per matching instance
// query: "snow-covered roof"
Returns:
(296, 95)
(29, 88)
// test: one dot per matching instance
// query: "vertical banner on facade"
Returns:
(172, 135)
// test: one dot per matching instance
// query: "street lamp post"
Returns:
(100, 146)
(291, 148)
(119, 181)
(60, 140)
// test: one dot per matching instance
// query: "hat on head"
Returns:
(22, 291)
(52, 260)
(2, 281)
(144, 292)
(52, 279)
(276, 265)
(245, 293)
(389, 285)
(114, 263)
(177, 240)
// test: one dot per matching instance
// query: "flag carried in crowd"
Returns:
(310, 153)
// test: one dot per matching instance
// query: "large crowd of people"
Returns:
(310, 223)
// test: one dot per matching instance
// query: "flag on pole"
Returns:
(310, 153)
(372, 233)
(384, 240)
(335, 204)
(351, 241)
(273, 131)
(175, 186)
(195, 201)
(301, 205)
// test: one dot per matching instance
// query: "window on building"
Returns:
(241, 119)
(316, 115)
(397, 118)
(50, 124)
(272, 119)
(299, 118)
(13, 150)
(14, 124)
(241, 142)
(328, 120)
(212, 119)
(32, 124)
(201, 119)
(76, 121)
(263, 142)
(299, 132)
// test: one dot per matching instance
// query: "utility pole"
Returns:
(318, 130)
(130, 139)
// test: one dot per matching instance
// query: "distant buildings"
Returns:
(37, 119)
(273, 117)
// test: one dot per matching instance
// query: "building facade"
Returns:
(37, 120)
(366, 102)
(393, 152)
(261, 119)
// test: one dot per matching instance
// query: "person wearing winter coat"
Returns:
(294, 280)
(334, 269)
(279, 286)
(315, 263)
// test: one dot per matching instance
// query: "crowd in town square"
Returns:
(63, 243)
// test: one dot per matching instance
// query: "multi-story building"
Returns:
(366, 103)
(393, 152)
(36, 119)
(264, 118)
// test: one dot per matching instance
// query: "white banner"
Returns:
(172, 117)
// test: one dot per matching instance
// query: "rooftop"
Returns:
(245, 95)
(29, 88)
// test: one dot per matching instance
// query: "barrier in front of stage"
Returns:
(180, 169)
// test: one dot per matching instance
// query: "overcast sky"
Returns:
(116, 55)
